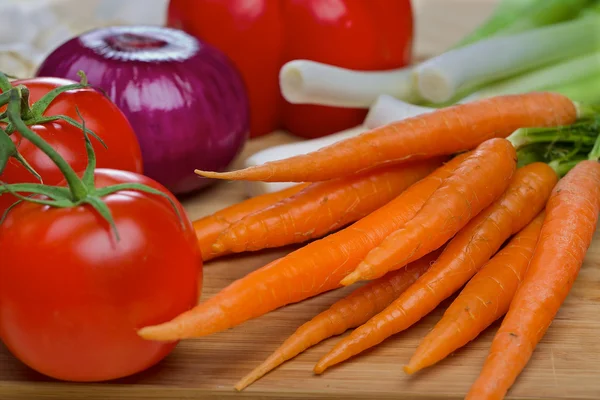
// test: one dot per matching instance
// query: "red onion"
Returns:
(185, 99)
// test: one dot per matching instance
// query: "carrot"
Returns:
(444, 131)
(463, 256)
(313, 269)
(348, 312)
(566, 234)
(484, 299)
(210, 227)
(472, 187)
(320, 208)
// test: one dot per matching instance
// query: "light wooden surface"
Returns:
(566, 364)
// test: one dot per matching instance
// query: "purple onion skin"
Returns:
(185, 100)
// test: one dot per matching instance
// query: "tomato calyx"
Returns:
(79, 191)
(7, 148)
(33, 115)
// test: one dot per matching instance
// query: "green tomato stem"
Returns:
(7, 150)
(88, 175)
(5, 84)
(70, 121)
(78, 189)
(25, 108)
(40, 106)
(4, 98)
(53, 192)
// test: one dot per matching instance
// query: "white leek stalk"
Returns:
(311, 82)
(289, 150)
(546, 78)
(385, 110)
(441, 78)
(388, 109)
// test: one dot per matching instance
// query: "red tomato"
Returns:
(250, 32)
(101, 116)
(261, 35)
(72, 297)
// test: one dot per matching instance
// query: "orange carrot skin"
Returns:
(566, 234)
(463, 256)
(320, 208)
(484, 299)
(479, 181)
(210, 227)
(306, 272)
(348, 312)
(445, 131)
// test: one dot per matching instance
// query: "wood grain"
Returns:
(566, 364)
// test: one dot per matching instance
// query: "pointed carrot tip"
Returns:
(160, 333)
(211, 174)
(247, 381)
(325, 362)
(409, 369)
(353, 277)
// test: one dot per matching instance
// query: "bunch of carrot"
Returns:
(420, 208)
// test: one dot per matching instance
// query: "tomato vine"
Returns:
(79, 190)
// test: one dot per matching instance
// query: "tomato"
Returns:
(261, 35)
(101, 116)
(355, 34)
(72, 296)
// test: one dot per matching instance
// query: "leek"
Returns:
(516, 16)
(585, 91)
(311, 82)
(550, 77)
(546, 12)
(441, 78)
(255, 188)
(387, 109)
(505, 13)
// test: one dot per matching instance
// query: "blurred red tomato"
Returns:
(261, 35)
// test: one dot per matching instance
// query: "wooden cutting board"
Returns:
(566, 364)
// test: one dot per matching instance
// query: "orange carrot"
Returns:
(306, 272)
(567, 231)
(348, 312)
(472, 187)
(445, 131)
(463, 256)
(484, 299)
(210, 227)
(320, 208)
